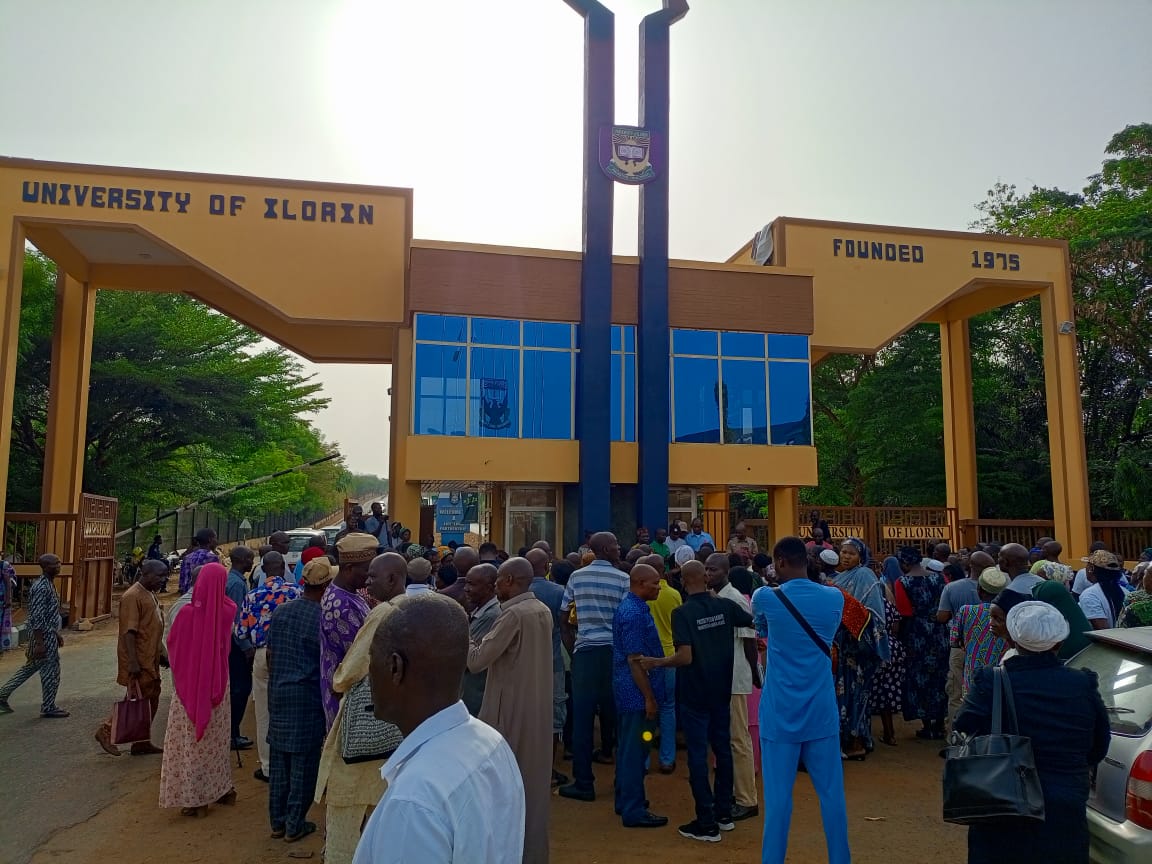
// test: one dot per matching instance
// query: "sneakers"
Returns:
(695, 831)
(725, 823)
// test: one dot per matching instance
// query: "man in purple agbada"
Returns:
(342, 611)
(202, 553)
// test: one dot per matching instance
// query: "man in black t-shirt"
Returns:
(703, 638)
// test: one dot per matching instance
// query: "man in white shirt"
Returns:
(453, 774)
(746, 804)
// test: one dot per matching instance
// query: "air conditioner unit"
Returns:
(762, 246)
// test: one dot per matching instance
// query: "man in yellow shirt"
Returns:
(666, 601)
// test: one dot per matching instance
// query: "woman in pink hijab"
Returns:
(197, 770)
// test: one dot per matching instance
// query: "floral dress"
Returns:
(926, 643)
(888, 685)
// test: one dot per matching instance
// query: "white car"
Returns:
(298, 541)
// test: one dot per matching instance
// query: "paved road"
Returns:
(52, 773)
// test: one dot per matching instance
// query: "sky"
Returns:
(900, 112)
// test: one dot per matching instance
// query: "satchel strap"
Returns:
(820, 643)
(1006, 682)
(997, 704)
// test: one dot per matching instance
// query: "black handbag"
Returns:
(992, 778)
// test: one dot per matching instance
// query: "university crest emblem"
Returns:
(626, 154)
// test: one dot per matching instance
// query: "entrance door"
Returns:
(530, 514)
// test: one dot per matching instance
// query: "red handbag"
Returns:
(132, 717)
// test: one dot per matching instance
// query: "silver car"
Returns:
(1120, 802)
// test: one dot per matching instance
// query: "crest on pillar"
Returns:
(626, 154)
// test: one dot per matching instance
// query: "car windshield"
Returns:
(1125, 685)
(299, 542)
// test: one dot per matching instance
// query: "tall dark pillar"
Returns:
(653, 334)
(593, 368)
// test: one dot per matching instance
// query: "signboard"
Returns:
(838, 532)
(450, 524)
(916, 532)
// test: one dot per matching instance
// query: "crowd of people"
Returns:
(416, 693)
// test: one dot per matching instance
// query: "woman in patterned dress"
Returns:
(197, 770)
(861, 649)
(888, 685)
(925, 642)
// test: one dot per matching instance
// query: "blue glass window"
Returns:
(629, 338)
(694, 342)
(494, 388)
(745, 402)
(540, 334)
(617, 337)
(790, 401)
(495, 331)
(439, 404)
(696, 411)
(617, 374)
(441, 328)
(782, 347)
(630, 397)
(547, 394)
(742, 345)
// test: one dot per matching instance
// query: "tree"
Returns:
(183, 402)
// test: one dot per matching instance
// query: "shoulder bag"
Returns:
(803, 622)
(992, 778)
(363, 738)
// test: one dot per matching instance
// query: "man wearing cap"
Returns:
(343, 610)
(829, 561)
(255, 618)
(351, 790)
(296, 722)
(971, 630)
(1103, 601)
(1059, 708)
(419, 574)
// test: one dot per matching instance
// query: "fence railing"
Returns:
(1125, 539)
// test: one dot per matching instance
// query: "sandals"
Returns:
(228, 798)
(890, 740)
(305, 829)
(195, 812)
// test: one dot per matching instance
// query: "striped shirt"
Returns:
(596, 592)
(971, 630)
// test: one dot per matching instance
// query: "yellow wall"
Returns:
(338, 275)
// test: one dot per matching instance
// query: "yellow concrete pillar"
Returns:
(959, 427)
(783, 510)
(12, 283)
(715, 517)
(66, 435)
(1070, 498)
(403, 496)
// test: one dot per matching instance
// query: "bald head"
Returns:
(514, 578)
(464, 559)
(274, 565)
(539, 560)
(419, 654)
(1013, 559)
(387, 576)
(605, 546)
(644, 582)
(693, 577)
(480, 584)
(544, 545)
(1052, 550)
(654, 561)
(978, 562)
(716, 566)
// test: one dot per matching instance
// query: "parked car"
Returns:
(1120, 801)
(298, 541)
(330, 531)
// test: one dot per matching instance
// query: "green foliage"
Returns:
(878, 419)
(183, 402)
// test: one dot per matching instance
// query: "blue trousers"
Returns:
(667, 722)
(291, 787)
(631, 750)
(704, 728)
(822, 759)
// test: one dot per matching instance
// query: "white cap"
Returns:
(934, 565)
(1036, 626)
(828, 556)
